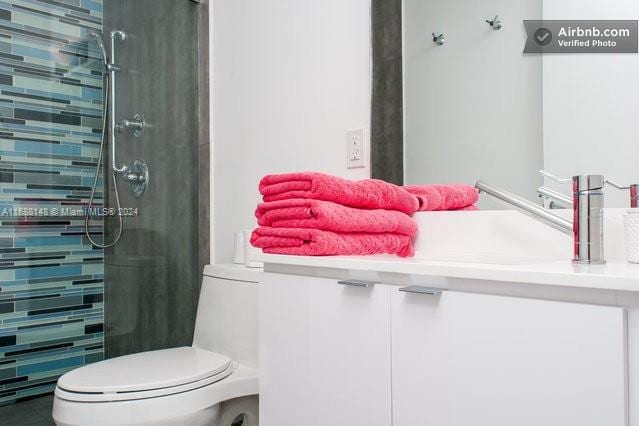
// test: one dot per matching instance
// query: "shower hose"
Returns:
(88, 214)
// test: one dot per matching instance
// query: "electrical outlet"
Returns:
(355, 149)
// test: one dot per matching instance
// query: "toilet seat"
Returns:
(145, 375)
(180, 408)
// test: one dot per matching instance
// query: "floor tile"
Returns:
(35, 412)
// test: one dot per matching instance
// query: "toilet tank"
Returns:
(227, 311)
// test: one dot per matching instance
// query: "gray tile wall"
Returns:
(387, 127)
(152, 278)
(204, 136)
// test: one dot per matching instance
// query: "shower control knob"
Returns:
(138, 178)
(136, 125)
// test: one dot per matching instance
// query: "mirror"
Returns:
(475, 106)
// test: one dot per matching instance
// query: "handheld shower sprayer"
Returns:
(100, 43)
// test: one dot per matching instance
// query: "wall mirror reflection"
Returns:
(475, 106)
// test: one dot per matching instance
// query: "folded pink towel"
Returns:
(443, 197)
(365, 194)
(329, 216)
(315, 242)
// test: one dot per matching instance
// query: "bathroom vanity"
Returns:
(490, 324)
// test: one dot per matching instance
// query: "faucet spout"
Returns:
(588, 215)
(528, 208)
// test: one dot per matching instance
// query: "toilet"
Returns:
(212, 383)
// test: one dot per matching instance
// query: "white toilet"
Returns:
(212, 383)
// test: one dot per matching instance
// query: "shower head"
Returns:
(98, 39)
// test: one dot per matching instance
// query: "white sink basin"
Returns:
(503, 237)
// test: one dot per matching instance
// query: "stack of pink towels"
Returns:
(315, 214)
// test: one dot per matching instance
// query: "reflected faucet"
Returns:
(632, 188)
(588, 219)
(557, 199)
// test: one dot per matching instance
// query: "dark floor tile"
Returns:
(35, 412)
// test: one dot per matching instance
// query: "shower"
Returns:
(136, 175)
(78, 284)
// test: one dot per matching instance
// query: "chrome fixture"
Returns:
(588, 219)
(136, 125)
(100, 43)
(358, 283)
(138, 178)
(418, 289)
(495, 23)
(527, 207)
(633, 189)
(138, 175)
(557, 199)
(106, 83)
(120, 169)
(438, 39)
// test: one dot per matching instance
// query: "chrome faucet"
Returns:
(588, 219)
(632, 188)
(557, 199)
(561, 201)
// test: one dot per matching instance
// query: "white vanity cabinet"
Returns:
(343, 355)
(324, 353)
(462, 359)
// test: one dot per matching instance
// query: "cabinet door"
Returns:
(462, 359)
(324, 353)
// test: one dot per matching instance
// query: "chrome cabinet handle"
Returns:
(417, 289)
(357, 283)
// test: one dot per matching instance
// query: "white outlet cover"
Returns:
(355, 148)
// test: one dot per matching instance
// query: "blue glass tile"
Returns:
(47, 148)
(43, 314)
(57, 271)
(51, 365)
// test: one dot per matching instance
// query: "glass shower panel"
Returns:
(51, 278)
(152, 274)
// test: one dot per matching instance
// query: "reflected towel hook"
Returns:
(438, 39)
(495, 23)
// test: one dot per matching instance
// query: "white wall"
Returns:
(591, 112)
(289, 77)
(472, 106)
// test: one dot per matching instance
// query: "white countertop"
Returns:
(614, 275)
(234, 272)
(494, 245)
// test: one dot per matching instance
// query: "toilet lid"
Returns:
(146, 371)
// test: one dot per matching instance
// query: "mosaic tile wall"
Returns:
(51, 278)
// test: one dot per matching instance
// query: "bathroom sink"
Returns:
(491, 237)
(503, 237)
